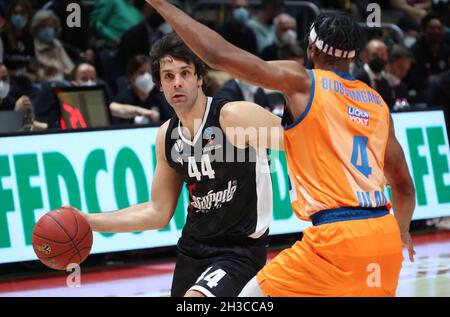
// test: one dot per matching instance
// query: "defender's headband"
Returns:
(327, 49)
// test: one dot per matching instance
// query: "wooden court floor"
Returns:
(428, 276)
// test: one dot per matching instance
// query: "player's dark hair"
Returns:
(339, 31)
(172, 45)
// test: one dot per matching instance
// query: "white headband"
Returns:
(329, 50)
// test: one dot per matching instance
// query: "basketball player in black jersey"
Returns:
(223, 244)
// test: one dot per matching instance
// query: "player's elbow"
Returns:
(157, 217)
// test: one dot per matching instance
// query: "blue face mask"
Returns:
(19, 21)
(241, 15)
(46, 35)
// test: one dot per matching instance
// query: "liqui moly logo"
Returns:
(359, 116)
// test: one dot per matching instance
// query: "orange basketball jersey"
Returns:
(335, 150)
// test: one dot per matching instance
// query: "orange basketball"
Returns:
(62, 237)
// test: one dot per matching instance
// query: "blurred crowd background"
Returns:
(406, 58)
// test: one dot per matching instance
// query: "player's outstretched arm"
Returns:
(403, 192)
(155, 214)
(248, 124)
(288, 77)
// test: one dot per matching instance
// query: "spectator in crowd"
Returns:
(400, 61)
(54, 63)
(432, 56)
(236, 30)
(9, 103)
(292, 52)
(439, 94)
(139, 39)
(262, 22)
(411, 29)
(236, 90)
(3, 4)
(1, 51)
(76, 40)
(285, 33)
(141, 102)
(17, 39)
(85, 75)
(372, 72)
(110, 19)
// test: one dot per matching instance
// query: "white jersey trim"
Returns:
(264, 195)
(199, 131)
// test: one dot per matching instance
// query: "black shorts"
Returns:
(219, 276)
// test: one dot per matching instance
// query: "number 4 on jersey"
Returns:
(206, 167)
(212, 278)
(360, 151)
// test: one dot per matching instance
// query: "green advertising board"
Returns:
(107, 170)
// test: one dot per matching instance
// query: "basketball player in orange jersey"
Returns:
(340, 146)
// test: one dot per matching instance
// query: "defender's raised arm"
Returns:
(288, 77)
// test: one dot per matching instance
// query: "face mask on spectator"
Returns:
(410, 41)
(19, 21)
(47, 34)
(165, 28)
(377, 65)
(4, 89)
(144, 83)
(289, 37)
(241, 15)
(88, 83)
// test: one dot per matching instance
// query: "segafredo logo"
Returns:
(214, 200)
(359, 116)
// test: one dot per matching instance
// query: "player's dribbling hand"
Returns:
(408, 244)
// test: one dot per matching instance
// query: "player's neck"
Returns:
(339, 66)
(192, 118)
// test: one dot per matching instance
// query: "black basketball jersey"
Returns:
(230, 189)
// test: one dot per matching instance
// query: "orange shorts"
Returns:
(345, 258)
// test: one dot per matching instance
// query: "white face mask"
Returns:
(144, 83)
(165, 28)
(4, 89)
(88, 83)
(410, 41)
(289, 37)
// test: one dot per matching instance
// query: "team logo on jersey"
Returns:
(209, 135)
(214, 200)
(179, 146)
(209, 132)
(359, 116)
